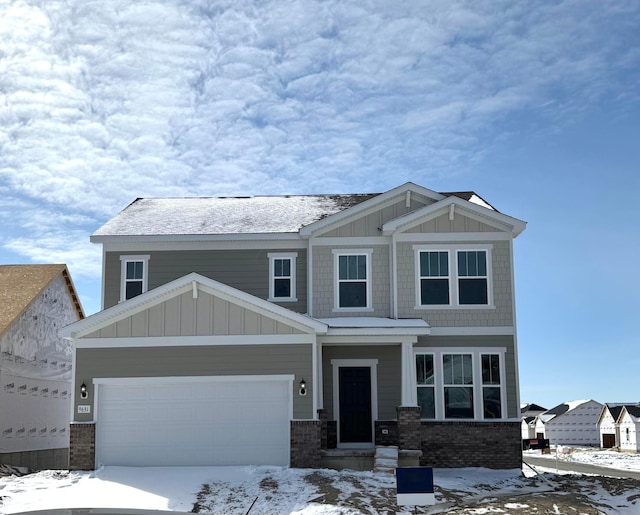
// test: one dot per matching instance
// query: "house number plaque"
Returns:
(84, 408)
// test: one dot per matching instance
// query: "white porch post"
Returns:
(318, 402)
(409, 394)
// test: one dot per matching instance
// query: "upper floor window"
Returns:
(460, 385)
(467, 283)
(282, 276)
(353, 286)
(134, 276)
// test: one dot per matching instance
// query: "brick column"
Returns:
(82, 447)
(306, 441)
(409, 437)
(323, 418)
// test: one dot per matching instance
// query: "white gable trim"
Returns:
(196, 341)
(190, 282)
(367, 207)
(451, 205)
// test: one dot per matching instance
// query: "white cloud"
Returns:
(104, 101)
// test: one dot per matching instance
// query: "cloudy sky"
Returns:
(534, 105)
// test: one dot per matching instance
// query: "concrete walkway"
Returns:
(582, 468)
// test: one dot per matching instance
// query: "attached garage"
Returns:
(193, 421)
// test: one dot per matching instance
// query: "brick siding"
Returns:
(82, 447)
(495, 445)
(409, 434)
(306, 441)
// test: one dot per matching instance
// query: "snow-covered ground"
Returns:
(275, 490)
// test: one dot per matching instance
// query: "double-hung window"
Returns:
(472, 277)
(282, 276)
(353, 283)
(458, 276)
(491, 386)
(464, 383)
(426, 385)
(133, 276)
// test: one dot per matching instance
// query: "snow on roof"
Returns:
(225, 215)
(234, 215)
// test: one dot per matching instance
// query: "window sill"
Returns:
(457, 307)
(352, 310)
(282, 299)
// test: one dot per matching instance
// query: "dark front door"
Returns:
(355, 405)
(608, 440)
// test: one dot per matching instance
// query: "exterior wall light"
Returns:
(303, 387)
(83, 391)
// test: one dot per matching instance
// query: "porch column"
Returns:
(409, 393)
(317, 388)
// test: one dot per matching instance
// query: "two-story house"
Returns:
(301, 331)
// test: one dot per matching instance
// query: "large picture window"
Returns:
(134, 274)
(454, 277)
(353, 289)
(282, 277)
(457, 370)
(465, 384)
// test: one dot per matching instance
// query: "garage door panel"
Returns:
(202, 423)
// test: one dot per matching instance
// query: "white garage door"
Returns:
(212, 421)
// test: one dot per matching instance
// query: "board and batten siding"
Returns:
(246, 270)
(200, 360)
(185, 316)
(324, 282)
(389, 374)
(500, 315)
(483, 342)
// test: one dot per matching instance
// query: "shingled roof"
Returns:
(21, 284)
(199, 216)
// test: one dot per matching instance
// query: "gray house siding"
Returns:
(324, 282)
(389, 380)
(246, 270)
(370, 224)
(185, 316)
(216, 360)
(506, 341)
(500, 315)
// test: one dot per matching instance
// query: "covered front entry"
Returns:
(194, 421)
(355, 386)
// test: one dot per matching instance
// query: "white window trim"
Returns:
(336, 279)
(292, 256)
(476, 353)
(452, 253)
(124, 259)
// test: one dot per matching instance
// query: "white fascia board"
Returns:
(154, 238)
(196, 341)
(367, 206)
(378, 331)
(134, 246)
(182, 285)
(475, 211)
(506, 330)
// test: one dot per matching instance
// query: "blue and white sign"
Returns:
(414, 486)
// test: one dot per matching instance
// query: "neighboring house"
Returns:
(571, 423)
(528, 415)
(36, 301)
(608, 425)
(302, 331)
(629, 423)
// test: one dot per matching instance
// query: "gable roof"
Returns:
(20, 285)
(269, 216)
(531, 407)
(190, 282)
